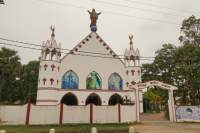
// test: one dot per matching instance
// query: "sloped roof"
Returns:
(77, 49)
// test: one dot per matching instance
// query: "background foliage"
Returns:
(179, 66)
(18, 82)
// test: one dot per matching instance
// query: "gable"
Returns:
(84, 62)
(94, 45)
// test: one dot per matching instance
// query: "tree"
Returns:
(9, 71)
(188, 73)
(163, 67)
(179, 67)
(153, 99)
(30, 81)
(18, 82)
(191, 31)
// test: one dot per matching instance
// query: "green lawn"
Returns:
(69, 128)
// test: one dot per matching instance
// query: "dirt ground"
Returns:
(167, 127)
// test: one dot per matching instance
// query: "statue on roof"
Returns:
(93, 17)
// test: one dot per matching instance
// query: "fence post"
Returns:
(119, 113)
(52, 130)
(61, 114)
(91, 113)
(94, 130)
(28, 113)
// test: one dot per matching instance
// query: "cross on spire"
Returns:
(131, 41)
(131, 38)
(52, 28)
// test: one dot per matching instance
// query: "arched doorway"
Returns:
(115, 99)
(93, 99)
(69, 99)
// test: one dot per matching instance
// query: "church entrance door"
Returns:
(93, 99)
(69, 99)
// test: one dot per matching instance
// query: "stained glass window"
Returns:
(70, 80)
(93, 81)
(115, 82)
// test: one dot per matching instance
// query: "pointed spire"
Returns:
(137, 52)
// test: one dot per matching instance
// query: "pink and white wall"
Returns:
(61, 114)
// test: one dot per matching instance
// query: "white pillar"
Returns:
(141, 101)
(50, 55)
(173, 106)
(172, 115)
(137, 105)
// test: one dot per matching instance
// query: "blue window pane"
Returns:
(70, 80)
(115, 82)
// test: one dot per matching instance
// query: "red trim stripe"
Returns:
(119, 113)
(28, 113)
(61, 114)
(99, 90)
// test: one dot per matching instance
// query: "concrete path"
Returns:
(167, 127)
(153, 116)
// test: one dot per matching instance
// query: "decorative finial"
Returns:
(131, 38)
(93, 17)
(52, 28)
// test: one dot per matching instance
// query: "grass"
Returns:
(69, 128)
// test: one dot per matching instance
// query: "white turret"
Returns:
(132, 62)
(132, 56)
(50, 63)
(50, 49)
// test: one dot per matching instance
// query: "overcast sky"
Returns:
(148, 20)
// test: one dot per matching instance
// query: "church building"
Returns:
(91, 72)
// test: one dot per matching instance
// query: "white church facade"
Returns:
(88, 84)
(90, 73)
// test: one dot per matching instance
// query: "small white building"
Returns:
(89, 73)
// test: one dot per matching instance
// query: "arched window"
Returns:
(93, 81)
(70, 80)
(115, 82)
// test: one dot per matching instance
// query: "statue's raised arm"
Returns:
(89, 12)
(98, 13)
